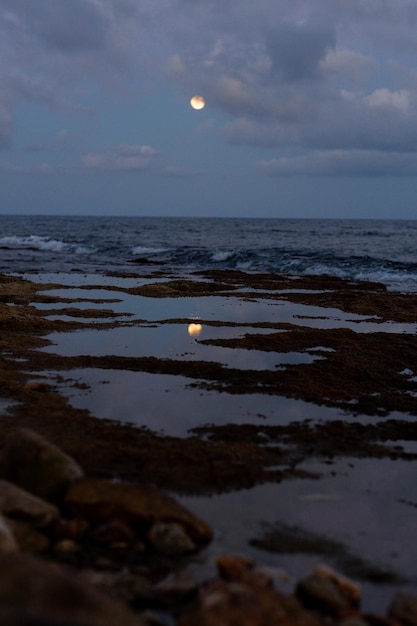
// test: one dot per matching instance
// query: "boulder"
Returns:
(322, 594)
(141, 507)
(35, 592)
(18, 503)
(38, 465)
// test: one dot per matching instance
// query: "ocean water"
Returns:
(378, 250)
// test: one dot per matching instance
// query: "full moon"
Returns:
(197, 102)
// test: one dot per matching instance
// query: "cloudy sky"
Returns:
(311, 107)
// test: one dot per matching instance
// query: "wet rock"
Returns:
(131, 588)
(113, 532)
(350, 590)
(34, 592)
(403, 609)
(66, 547)
(74, 529)
(176, 589)
(8, 542)
(100, 501)
(37, 465)
(320, 593)
(16, 502)
(28, 538)
(242, 597)
(170, 539)
(359, 621)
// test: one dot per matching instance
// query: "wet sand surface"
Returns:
(280, 409)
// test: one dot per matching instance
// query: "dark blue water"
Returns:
(380, 250)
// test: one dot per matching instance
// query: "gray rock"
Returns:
(38, 465)
(18, 503)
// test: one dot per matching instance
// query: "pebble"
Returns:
(113, 532)
(66, 546)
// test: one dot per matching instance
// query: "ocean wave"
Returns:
(219, 256)
(41, 244)
(144, 250)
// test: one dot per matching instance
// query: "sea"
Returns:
(378, 250)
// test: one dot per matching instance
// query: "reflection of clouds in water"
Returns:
(358, 506)
(165, 341)
(219, 308)
(168, 403)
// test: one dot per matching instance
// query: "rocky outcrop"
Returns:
(125, 543)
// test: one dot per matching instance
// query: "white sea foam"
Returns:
(221, 255)
(146, 250)
(43, 244)
(32, 242)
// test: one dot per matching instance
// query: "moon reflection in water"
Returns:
(194, 330)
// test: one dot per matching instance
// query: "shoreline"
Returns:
(361, 373)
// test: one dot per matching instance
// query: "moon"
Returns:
(198, 102)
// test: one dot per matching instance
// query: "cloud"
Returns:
(41, 168)
(387, 99)
(297, 50)
(317, 78)
(125, 158)
(355, 67)
(346, 163)
(5, 127)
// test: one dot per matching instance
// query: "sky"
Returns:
(311, 108)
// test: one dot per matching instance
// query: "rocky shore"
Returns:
(77, 550)
(88, 531)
